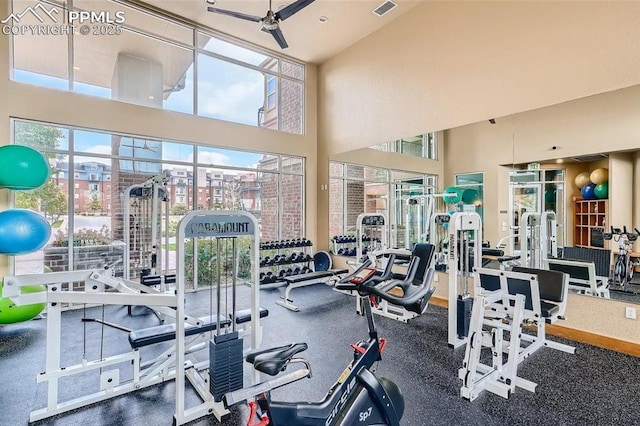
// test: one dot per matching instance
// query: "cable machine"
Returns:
(371, 233)
(465, 252)
(538, 238)
(420, 215)
(143, 205)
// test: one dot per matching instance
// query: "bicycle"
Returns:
(623, 269)
(358, 397)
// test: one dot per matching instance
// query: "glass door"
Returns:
(524, 198)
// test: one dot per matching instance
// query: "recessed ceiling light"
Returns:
(151, 97)
(323, 19)
(76, 68)
(559, 161)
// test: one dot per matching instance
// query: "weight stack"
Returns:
(225, 365)
(464, 305)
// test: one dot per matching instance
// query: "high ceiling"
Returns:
(309, 40)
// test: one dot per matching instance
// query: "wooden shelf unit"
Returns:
(590, 219)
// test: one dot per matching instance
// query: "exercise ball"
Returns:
(10, 313)
(22, 167)
(587, 192)
(602, 190)
(470, 196)
(582, 179)
(452, 195)
(599, 176)
(22, 231)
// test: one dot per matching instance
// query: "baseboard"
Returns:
(594, 339)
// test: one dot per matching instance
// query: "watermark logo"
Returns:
(16, 17)
(54, 21)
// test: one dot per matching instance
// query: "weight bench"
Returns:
(303, 280)
(582, 276)
(163, 333)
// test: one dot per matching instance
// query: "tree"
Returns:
(38, 136)
(94, 203)
(49, 199)
(179, 209)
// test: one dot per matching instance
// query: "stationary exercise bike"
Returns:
(358, 397)
(624, 266)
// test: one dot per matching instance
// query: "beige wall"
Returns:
(30, 102)
(447, 64)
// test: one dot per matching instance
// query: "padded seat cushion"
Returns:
(166, 332)
(244, 315)
(314, 275)
(548, 309)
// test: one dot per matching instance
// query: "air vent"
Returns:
(588, 158)
(384, 8)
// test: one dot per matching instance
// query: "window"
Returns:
(356, 189)
(269, 186)
(472, 185)
(425, 146)
(271, 92)
(157, 69)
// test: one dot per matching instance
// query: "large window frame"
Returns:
(428, 146)
(73, 151)
(285, 71)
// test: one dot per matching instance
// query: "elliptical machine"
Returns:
(358, 397)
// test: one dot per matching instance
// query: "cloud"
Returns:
(209, 157)
(237, 102)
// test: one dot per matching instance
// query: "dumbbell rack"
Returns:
(346, 245)
(277, 258)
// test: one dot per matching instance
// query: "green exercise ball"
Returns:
(22, 167)
(11, 313)
(470, 196)
(602, 190)
(452, 195)
(583, 179)
(599, 176)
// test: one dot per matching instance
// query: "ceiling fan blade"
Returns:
(235, 14)
(277, 34)
(292, 9)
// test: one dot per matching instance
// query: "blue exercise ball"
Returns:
(588, 191)
(22, 231)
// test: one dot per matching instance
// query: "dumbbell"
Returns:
(341, 251)
(262, 275)
(282, 273)
(289, 272)
(265, 261)
(293, 257)
(297, 270)
(305, 270)
(352, 252)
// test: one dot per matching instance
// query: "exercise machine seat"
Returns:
(551, 285)
(272, 361)
(166, 332)
(244, 315)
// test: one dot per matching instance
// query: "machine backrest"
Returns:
(601, 258)
(578, 271)
(550, 283)
(424, 252)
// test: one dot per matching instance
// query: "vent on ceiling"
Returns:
(384, 8)
(588, 158)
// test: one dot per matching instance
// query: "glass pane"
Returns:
(268, 114)
(180, 189)
(177, 151)
(292, 70)
(292, 101)
(432, 146)
(229, 92)
(411, 146)
(336, 169)
(554, 175)
(269, 200)
(524, 176)
(40, 59)
(376, 198)
(376, 175)
(41, 136)
(134, 68)
(225, 157)
(292, 165)
(292, 203)
(355, 204)
(134, 18)
(230, 50)
(469, 179)
(336, 207)
(355, 171)
(51, 201)
(93, 142)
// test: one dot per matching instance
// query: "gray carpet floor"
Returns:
(592, 387)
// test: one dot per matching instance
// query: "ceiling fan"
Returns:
(144, 147)
(270, 23)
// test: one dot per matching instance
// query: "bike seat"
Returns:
(274, 360)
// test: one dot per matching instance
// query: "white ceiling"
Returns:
(308, 39)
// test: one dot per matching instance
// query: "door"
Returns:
(524, 198)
